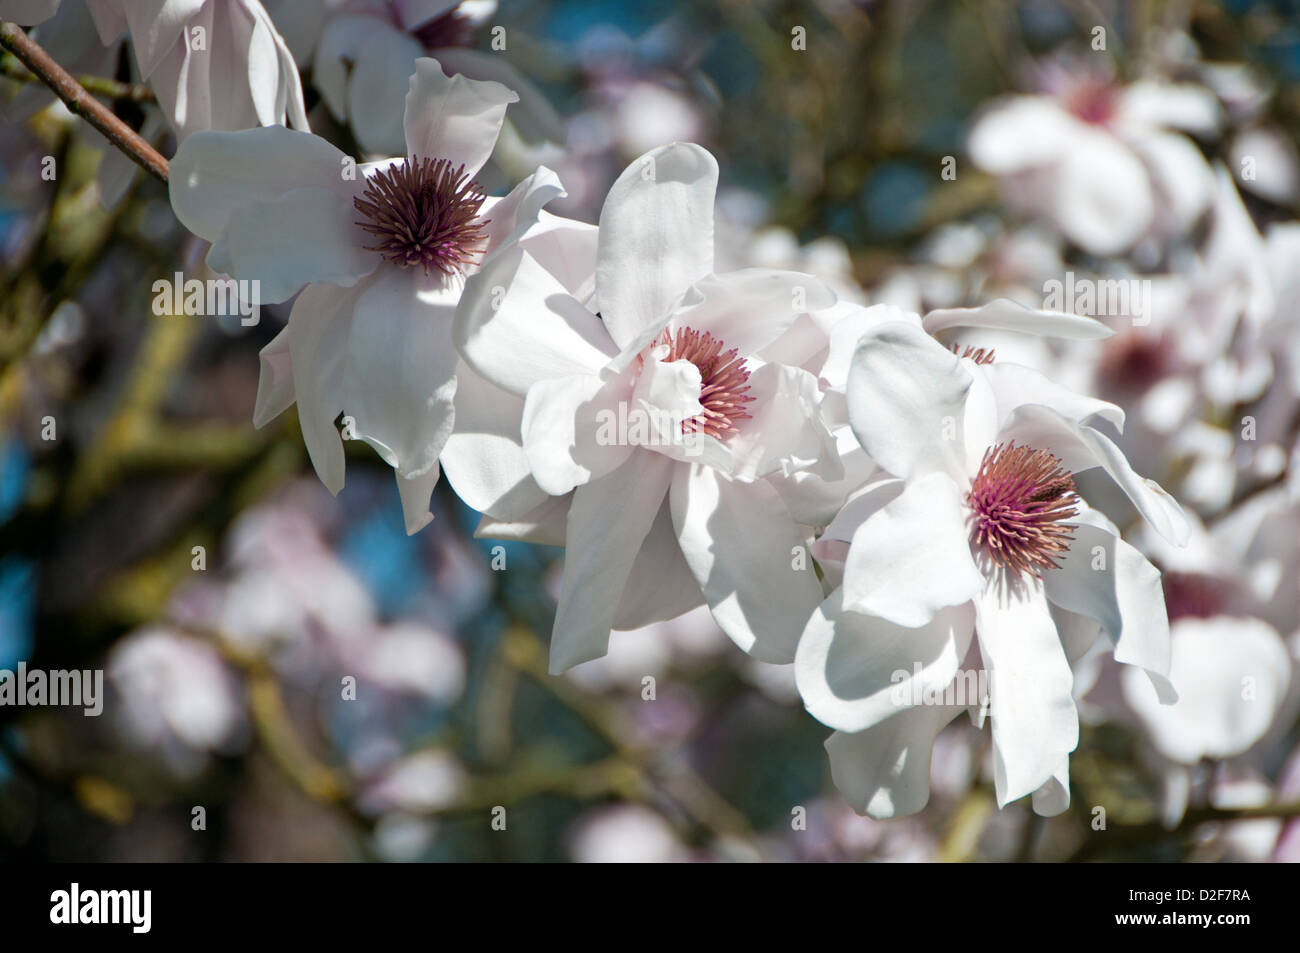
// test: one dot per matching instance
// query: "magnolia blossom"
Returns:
(380, 258)
(213, 64)
(1233, 675)
(1107, 164)
(975, 553)
(362, 52)
(660, 414)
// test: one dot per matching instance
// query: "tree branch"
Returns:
(80, 102)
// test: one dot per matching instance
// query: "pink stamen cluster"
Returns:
(1019, 501)
(724, 381)
(424, 212)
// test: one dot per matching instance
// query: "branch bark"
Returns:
(80, 102)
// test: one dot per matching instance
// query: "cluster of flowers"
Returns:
(889, 496)
(858, 490)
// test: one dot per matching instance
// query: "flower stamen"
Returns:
(724, 381)
(424, 212)
(1020, 500)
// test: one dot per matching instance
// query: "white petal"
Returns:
(275, 381)
(749, 558)
(749, 309)
(847, 332)
(400, 379)
(885, 771)
(660, 585)
(785, 431)
(567, 249)
(1107, 579)
(517, 325)
(1081, 448)
(854, 671)
(336, 51)
(508, 218)
(484, 458)
(381, 76)
(906, 397)
(1232, 676)
(656, 237)
(1053, 797)
(1185, 106)
(609, 520)
(1019, 133)
(913, 557)
(1014, 384)
(1003, 314)
(156, 26)
(1034, 719)
(214, 174)
(306, 236)
(415, 493)
(571, 429)
(546, 524)
(1103, 199)
(453, 118)
(318, 337)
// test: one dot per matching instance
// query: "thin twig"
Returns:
(80, 102)
(99, 85)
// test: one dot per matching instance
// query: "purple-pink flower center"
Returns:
(724, 381)
(1019, 502)
(424, 212)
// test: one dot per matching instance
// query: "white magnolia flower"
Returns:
(362, 52)
(213, 64)
(176, 696)
(380, 258)
(660, 415)
(1107, 164)
(976, 553)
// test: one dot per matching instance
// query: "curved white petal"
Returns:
(577, 429)
(400, 378)
(1232, 676)
(215, 174)
(506, 219)
(749, 558)
(275, 380)
(306, 236)
(377, 87)
(885, 771)
(517, 325)
(1081, 448)
(453, 118)
(1015, 384)
(318, 328)
(785, 431)
(660, 585)
(1053, 797)
(656, 237)
(608, 522)
(415, 493)
(749, 309)
(1107, 579)
(847, 332)
(1019, 133)
(912, 557)
(854, 671)
(484, 458)
(906, 397)
(1003, 314)
(156, 26)
(1032, 708)
(1103, 199)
